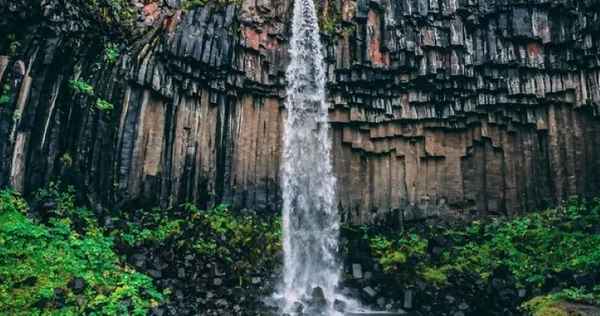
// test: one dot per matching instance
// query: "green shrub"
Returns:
(38, 262)
(394, 253)
(239, 242)
(5, 96)
(104, 105)
(532, 247)
(111, 53)
(82, 87)
(436, 276)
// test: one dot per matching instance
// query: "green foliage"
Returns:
(329, 18)
(158, 228)
(104, 105)
(37, 263)
(13, 44)
(231, 236)
(64, 198)
(112, 15)
(394, 254)
(328, 25)
(82, 87)
(85, 88)
(111, 53)
(191, 4)
(66, 160)
(434, 275)
(5, 95)
(531, 247)
(240, 242)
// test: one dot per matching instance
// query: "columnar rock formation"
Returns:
(438, 107)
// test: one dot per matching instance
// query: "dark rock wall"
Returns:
(438, 107)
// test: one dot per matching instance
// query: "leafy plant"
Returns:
(394, 254)
(240, 242)
(39, 263)
(13, 45)
(66, 160)
(5, 96)
(111, 53)
(532, 247)
(82, 87)
(104, 105)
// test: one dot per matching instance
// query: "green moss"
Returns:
(543, 306)
(551, 311)
(37, 262)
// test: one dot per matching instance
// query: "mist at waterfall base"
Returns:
(311, 223)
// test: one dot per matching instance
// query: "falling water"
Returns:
(310, 219)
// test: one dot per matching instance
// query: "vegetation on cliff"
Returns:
(539, 253)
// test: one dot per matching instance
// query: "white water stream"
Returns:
(310, 219)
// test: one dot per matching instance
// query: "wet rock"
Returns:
(370, 291)
(318, 298)
(256, 280)
(139, 260)
(522, 293)
(584, 280)
(339, 306)
(298, 307)
(157, 311)
(408, 299)
(155, 273)
(357, 271)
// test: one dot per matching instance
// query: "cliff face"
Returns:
(438, 107)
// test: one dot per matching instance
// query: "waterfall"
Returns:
(310, 219)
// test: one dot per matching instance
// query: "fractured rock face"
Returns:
(438, 108)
